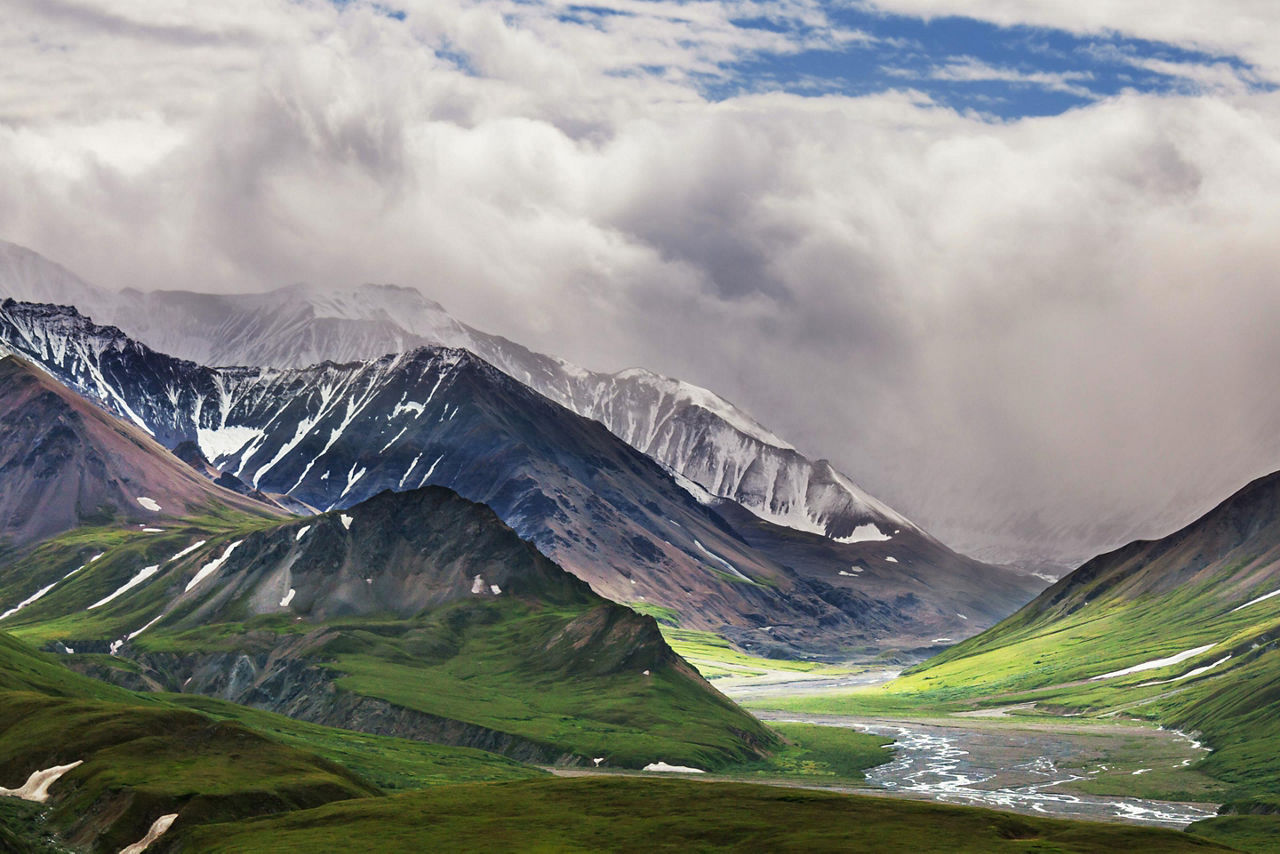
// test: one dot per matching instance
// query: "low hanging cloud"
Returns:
(1038, 337)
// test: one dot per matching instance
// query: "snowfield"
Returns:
(157, 829)
(867, 533)
(1256, 601)
(664, 768)
(143, 575)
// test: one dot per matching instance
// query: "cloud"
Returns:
(969, 69)
(1048, 333)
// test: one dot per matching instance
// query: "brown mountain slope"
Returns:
(65, 463)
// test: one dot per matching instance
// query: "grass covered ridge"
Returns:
(641, 815)
(554, 666)
(573, 679)
(141, 762)
(145, 755)
(392, 764)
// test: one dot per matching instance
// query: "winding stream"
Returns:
(1010, 770)
(936, 765)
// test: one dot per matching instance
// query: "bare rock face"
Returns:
(65, 463)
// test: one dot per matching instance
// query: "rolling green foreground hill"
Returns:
(146, 756)
(665, 815)
(414, 614)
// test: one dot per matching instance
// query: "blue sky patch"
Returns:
(1005, 72)
(1001, 72)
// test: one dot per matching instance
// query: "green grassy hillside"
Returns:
(661, 815)
(142, 758)
(386, 611)
(147, 755)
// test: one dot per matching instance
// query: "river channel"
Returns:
(1006, 767)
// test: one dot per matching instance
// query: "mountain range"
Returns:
(688, 429)
(333, 435)
(328, 618)
(412, 635)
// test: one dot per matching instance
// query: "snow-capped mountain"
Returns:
(333, 435)
(690, 430)
(29, 276)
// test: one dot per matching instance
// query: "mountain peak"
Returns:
(27, 275)
(66, 463)
(685, 427)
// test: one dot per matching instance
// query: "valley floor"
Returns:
(1036, 769)
(1013, 758)
(1016, 757)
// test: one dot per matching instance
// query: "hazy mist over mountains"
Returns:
(301, 325)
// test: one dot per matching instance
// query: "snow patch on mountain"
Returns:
(211, 567)
(34, 597)
(133, 634)
(730, 568)
(220, 442)
(1262, 598)
(1193, 672)
(141, 576)
(188, 550)
(701, 495)
(665, 768)
(158, 828)
(1157, 663)
(867, 533)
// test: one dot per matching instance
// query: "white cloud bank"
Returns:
(1056, 329)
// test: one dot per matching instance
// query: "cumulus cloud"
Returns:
(1036, 336)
